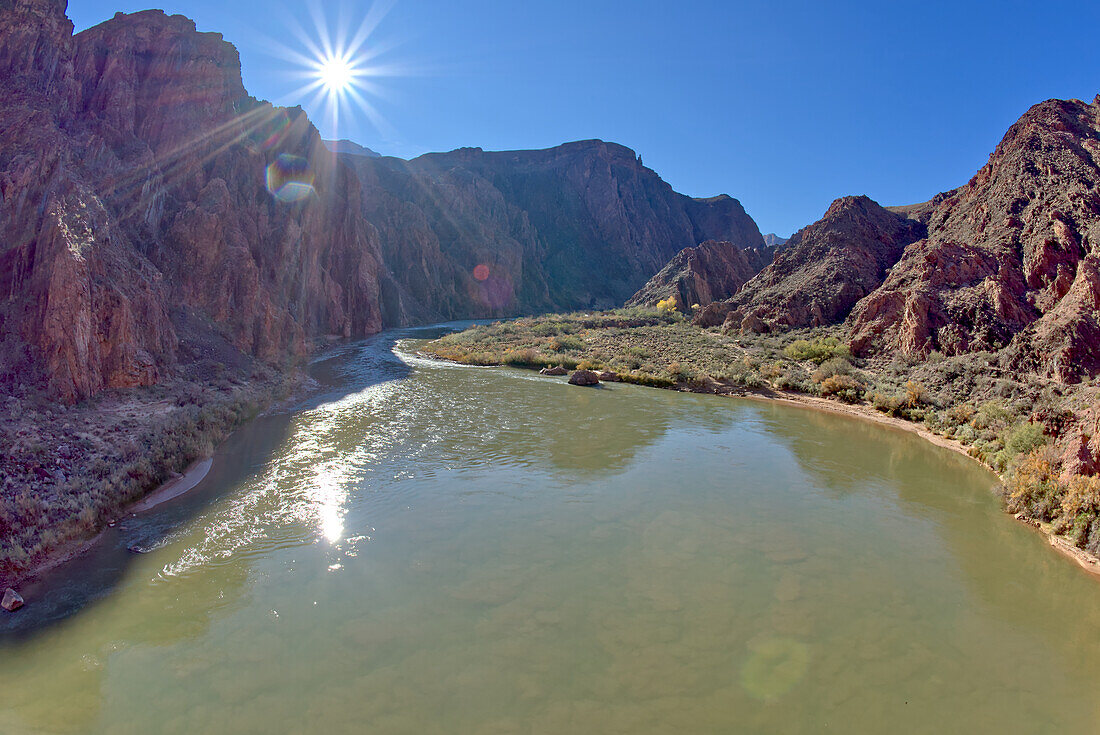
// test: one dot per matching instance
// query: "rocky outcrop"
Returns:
(556, 370)
(774, 240)
(1011, 257)
(711, 271)
(824, 269)
(473, 233)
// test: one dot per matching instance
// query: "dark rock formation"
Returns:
(609, 376)
(472, 233)
(556, 370)
(712, 271)
(824, 269)
(1011, 258)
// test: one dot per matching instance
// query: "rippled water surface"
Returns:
(439, 549)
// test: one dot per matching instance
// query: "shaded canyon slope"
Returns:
(157, 221)
(825, 268)
(1011, 258)
(474, 233)
(145, 217)
(709, 272)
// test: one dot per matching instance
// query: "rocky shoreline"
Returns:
(73, 471)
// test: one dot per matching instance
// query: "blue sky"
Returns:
(785, 105)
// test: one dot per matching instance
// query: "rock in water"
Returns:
(609, 376)
(558, 370)
(12, 600)
(584, 377)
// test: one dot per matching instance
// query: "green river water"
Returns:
(429, 548)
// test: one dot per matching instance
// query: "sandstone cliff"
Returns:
(473, 233)
(1011, 258)
(711, 271)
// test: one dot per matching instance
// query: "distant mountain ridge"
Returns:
(351, 147)
(491, 233)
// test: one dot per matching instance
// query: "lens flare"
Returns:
(289, 178)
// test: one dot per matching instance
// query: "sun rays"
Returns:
(338, 64)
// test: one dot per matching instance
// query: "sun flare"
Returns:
(338, 62)
(336, 74)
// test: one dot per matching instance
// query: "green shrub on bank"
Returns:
(817, 350)
(1024, 438)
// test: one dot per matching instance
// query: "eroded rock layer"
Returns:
(1011, 257)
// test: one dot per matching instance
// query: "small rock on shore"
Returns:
(558, 370)
(12, 600)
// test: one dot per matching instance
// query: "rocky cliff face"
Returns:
(712, 271)
(824, 269)
(142, 188)
(1011, 257)
(472, 233)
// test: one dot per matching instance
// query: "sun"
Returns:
(336, 74)
(338, 62)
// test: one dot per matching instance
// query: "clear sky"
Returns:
(785, 105)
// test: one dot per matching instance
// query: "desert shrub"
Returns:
(959, 414)
(991, 415)
(771, 371)
(1082, 495)
(667, 305)
(527, 357)
(564, 343)
(817, 350)
(844, 387)
(916, 395)
(643, 378)
(1024, 438)
(831, 367)
(1032, 488)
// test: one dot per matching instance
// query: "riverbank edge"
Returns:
(1087, 561)
(270, 395)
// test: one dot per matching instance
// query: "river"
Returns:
(432, 548)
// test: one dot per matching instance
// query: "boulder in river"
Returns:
(557, 370)
(609, 376)
(12, 600)
(584, 377)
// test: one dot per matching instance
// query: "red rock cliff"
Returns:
(139, 182)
